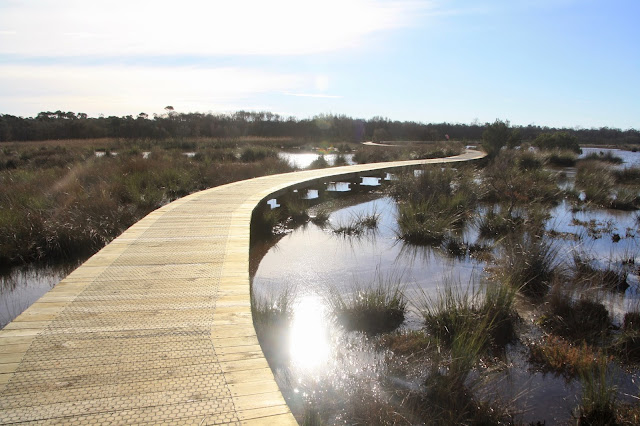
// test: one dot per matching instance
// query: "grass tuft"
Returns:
(577, 320)
(528, 263)
(371, 309)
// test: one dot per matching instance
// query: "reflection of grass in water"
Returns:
(373, 308)
(272, 315)
(359, 224)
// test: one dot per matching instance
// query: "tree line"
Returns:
(332, 128)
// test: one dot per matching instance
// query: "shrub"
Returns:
(562, 159)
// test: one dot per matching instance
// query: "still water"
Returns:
(304, 160)
(21, 287)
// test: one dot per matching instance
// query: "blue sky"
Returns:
(561, 63)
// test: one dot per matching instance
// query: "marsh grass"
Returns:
(628, 175)
(372, 309)
(504, 181)
(626, 199)
(434, 204)
(412, 343)
(62, 202)
(321, 216)
(599, 395)
(527, 263)
(426, 223)
(598, 184)
(562, 158)
(463, 324)
(295, 209)
(608, 157)
(358, 224)
(627, 343)
(319, 163)
(556, 354)
(495, 224)
(485, 310)
(577, 320)
(611, 278)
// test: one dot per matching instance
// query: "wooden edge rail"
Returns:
(157, 326)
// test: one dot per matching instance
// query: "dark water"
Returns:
(21, 287)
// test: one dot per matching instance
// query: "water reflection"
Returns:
(309, 342)
(21, 287)
(302, 160)
(339, 187)
(629, 158)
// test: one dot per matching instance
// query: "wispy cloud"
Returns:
(192, 27)
(112, 90)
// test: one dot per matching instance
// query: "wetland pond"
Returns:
(337, 376)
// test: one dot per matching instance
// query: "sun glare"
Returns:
(309, 340)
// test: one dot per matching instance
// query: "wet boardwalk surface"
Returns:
(156, 327)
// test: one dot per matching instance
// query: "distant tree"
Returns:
(498, 135)
(559, 140)
(380, 135)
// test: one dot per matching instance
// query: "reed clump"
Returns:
(506, 181)
(577, 320)
(434, 204)
(486, 310)
(358, 224)
(527, 262)
(562, 158)
(599, 404)
(371, 309)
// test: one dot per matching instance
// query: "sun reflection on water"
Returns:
(309, 343)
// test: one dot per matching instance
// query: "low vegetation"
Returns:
(433, 204)
(357, 225)
(60, 202)
(371, 309)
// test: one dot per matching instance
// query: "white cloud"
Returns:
(192, 27)
(128, 90)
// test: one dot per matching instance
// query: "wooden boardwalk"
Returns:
(156, 327)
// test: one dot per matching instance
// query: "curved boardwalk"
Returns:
(156, 327)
